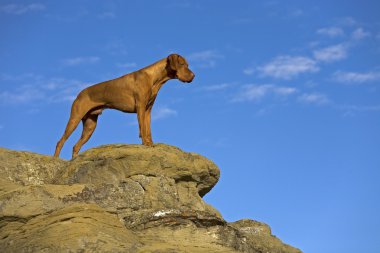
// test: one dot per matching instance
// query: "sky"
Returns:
(286, 100)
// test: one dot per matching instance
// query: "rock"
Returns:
(119, 198)
(28, 168)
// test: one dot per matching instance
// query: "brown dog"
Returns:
(132, 93)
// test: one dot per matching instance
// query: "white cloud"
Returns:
(127, 65)
(22, 96)
(205, 59)
(331, 54)
(116, 47)
(347, 21)
(352, 110)
(19, 9)
(288, 67)
(356, 77)
(314, 98)
(163, 112)
(249, 71)
(297, 13)
(20, 78)
(331, 31)
(360, 108)
(36, 88)
(359, 34)
(80, 60)
(107, 15)
(253, 92)
(216, 87)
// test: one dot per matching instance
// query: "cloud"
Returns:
(249, 70)
(359, 34)
(356, 77)
(18, 9)
(331, 31)
(36, 88)
(80, 60)
(216, 87)
(314, 98)
(116, 47)
(107, 15)
(352, 110)
(297, 13)
(331, 54)
(254, 92)
(23, 96)
(205, 59)
(127, 65)
(347, 21)
(288, 67)
(163, 112)
(360, 108)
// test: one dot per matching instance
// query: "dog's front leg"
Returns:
(140, 121)
(147, 126)
(141, 116)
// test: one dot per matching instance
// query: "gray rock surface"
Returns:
(119, 198)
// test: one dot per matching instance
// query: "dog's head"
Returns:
(179, 68)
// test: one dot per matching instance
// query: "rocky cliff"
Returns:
(119, 198)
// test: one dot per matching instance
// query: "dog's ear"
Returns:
(173, 61)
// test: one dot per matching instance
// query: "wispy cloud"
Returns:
(107, 15)
(80, 60)
(254, 92)
(18, 9)
(331, 53)
(216, 87)
(352, 110)
(331, 31)
(21, 96)
(116, 47)
(356, 77)
(205, 59)
(347, 21)
(359, 34)
(360, 108)
(288, 67)
(296, 13)
(126, 65)
(36, 88)
(249, 70)
(314, 98)
(163, 112)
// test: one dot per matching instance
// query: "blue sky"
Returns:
(285, 100)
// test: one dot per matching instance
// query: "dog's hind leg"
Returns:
(89, 125)
(78, 111)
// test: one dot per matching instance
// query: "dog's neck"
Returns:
(159, 73)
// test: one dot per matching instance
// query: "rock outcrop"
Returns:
(119, 198)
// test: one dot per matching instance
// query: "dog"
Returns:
(132, 93)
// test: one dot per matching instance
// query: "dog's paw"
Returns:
(148, 143)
